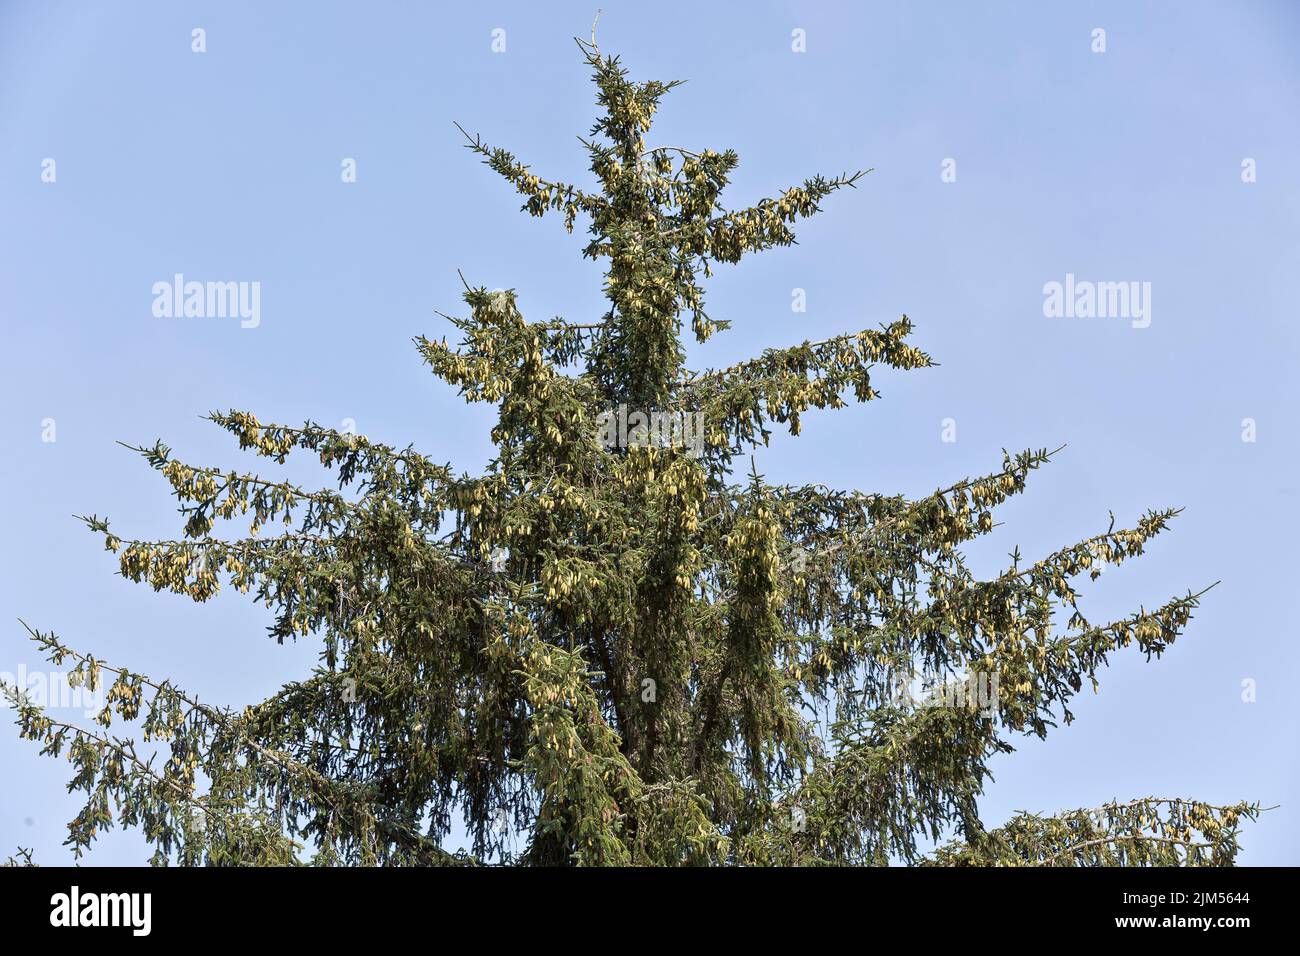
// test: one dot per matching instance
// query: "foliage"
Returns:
(616, 655)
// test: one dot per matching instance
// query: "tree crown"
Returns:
(605, 649)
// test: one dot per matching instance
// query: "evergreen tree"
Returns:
(607, 649)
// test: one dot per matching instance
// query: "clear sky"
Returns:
(1117, 166)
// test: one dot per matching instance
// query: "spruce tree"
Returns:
(619, 644)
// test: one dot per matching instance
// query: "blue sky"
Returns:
(1124, 165)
